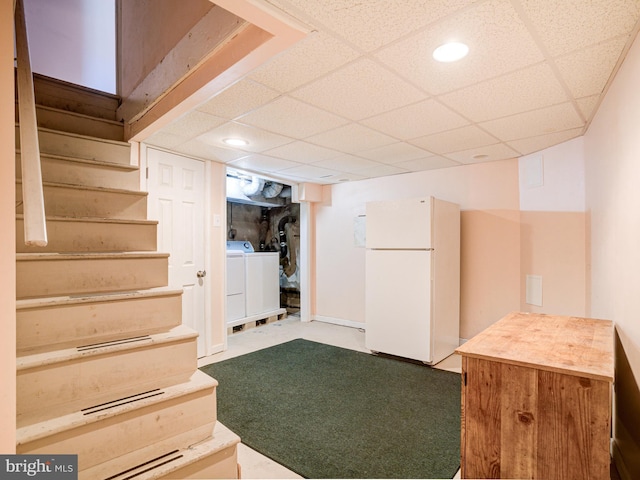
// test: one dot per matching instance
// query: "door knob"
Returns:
(201, 273)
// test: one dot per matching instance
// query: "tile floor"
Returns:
(253, 464)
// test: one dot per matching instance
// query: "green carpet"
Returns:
(328, 412)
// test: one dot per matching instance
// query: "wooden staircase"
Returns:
(105, 368)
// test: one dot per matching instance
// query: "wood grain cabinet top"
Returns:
(536, 398)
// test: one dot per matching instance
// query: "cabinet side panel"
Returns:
(463, 421)
(519, 422)
(482, 417)
(574, 427)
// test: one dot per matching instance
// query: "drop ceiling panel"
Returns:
(587, 105)
(351, 138)
(455, 140)
(306, 61)
(530, 145)
(193, 124)
(353, 91)
(394, 153)
(430, 163)
(200, 149)
(259, 140)
(259, 162)
(401, 123)
(164, 139)
(526, 89)
(488, 153)
(381, 171)
(238, 99)
(303, 152)
(568, 25)
(311, 172)
(288, 116)
(370, 25)
(347, 163)
(534, 123)
(498, 43)
(586, 72)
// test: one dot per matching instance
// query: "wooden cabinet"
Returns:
(536, 398)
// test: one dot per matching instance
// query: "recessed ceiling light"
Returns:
(450, 52)
(480, 156)
(235, 142)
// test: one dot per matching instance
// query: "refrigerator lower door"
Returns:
(398, 303)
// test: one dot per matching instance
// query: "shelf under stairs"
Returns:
(105, 368)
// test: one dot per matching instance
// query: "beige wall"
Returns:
(552, 229)
(7, 235)
(612, 158)
(488, 196)
(218, 252)
(148, 30)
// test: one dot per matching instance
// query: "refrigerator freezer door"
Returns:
(398, 303)
(399, 224)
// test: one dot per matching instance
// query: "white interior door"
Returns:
(176, 199)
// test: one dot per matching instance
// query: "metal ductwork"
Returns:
(272, 189)
(254, 187)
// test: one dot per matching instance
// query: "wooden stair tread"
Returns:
(90, 188)
(81, 115)
(79, 135)
(93, 298)
(86, 161)
(29, 433)
(181, 332)
(158, 466)
(128, 221)
(88, 256)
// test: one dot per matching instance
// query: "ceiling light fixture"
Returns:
(235, 142)
(450, 52)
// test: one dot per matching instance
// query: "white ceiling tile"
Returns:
(568, 25)
(265, 163)
(351, 138)
(401, 123)
(586, 72)
(370, 25)
(311, 172)
(530, 145)
(487, 153)
(588, 105)
(354, 91)
(203, 150)
(288, 116)
(303, 152)
(455, 140)
(193, 124)
(429, 163)
(238, 99)
(307, 60)
(382, 171)
(498, 41)
(527, 89)
(534, 123)
(258, 139)
(347, 163)
(394, 153)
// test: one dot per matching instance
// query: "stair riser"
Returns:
(42, 392)
(66, 121)
(90, 236)
(83, 323)
(59, 143)
(54, 93)
(51, 278)
(72, 202)
(222, 464)
(74, 173)
(193, 415)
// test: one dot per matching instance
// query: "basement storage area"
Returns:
(263, 247)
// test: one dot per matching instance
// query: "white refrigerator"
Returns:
(413, 278)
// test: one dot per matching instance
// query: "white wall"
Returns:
(7, 235)
(488, 196)
(74, 40)
(612, 158)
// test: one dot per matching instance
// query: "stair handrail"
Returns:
(35, 227)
